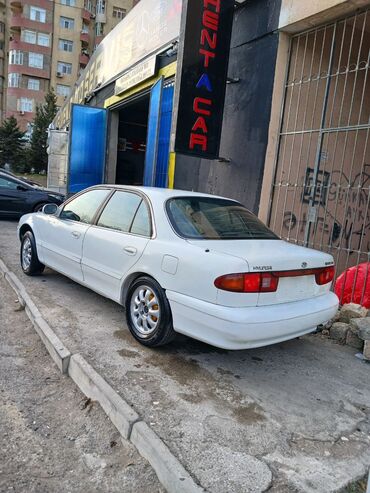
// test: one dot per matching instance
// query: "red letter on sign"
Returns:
(206, 37)
(210, 20)
(198, 140)
(215, 3)
(198, 109)
(200, 124)
(207, 55)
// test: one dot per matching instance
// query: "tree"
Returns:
(45, 113)
(12, 144)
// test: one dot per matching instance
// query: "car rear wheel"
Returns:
(148, 313)
(30, 263)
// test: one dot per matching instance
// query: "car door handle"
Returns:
(75, 234)
(130, 250)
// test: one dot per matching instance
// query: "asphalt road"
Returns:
(294, 417)
(52, 439)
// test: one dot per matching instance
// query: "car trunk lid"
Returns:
(277, 256)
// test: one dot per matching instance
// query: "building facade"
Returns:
(50, 43)
(295, 140)
(3, 51)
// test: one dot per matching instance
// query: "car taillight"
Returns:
(267, 282)
(324, 276)
(256, 282)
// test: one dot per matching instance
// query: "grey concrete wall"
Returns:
(247, 111)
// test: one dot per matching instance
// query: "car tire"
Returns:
(148, 313)
(38, 207)
(30, 263)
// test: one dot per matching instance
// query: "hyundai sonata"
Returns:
(183, 262)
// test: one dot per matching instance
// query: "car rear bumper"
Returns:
(250, 327)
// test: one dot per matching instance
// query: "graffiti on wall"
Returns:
(343, 209)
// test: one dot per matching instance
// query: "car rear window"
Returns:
(215, 219)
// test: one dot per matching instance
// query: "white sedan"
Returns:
(183, 262)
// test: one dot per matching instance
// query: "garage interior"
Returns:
(131, 143)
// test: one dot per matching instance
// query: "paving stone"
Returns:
(361, 326)
(339, 331)
(352, 310)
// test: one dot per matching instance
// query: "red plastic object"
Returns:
(353, 286)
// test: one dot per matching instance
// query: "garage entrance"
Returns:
(132, 136)
(139, 139)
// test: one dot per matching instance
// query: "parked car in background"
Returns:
(18, 196)
(183, 262)
(31, 182)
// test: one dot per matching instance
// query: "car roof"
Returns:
(161, 193)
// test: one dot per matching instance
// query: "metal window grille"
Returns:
(320, 195)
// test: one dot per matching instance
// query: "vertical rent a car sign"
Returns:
(203, 61)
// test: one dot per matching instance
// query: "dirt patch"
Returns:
(52, 438)
(126, 353)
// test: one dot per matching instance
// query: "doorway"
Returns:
(131, 145)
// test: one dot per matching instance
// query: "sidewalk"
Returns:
(52, 439)
(293, 417)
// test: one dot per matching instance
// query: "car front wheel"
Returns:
(148, 313)
(30, 263)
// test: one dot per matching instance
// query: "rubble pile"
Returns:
(351, 326)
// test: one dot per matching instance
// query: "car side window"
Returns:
(141, 225)
(121, 212)
(83, 208)
(9, 184)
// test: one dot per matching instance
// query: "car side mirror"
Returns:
(22, 189)
(50, 209)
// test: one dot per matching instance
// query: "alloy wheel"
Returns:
(26, 253)
(145, 311)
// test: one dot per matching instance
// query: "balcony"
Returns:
(84, 37)
(84, 59)
(85, 14)
(44, 4)
(101, 17)
(17, 44)
(31, 71)
(17, 21)
(99, 39)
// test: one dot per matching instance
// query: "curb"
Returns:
(169, 470)
(96, 388)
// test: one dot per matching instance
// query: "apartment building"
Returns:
(49, 44)
(3, 50)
